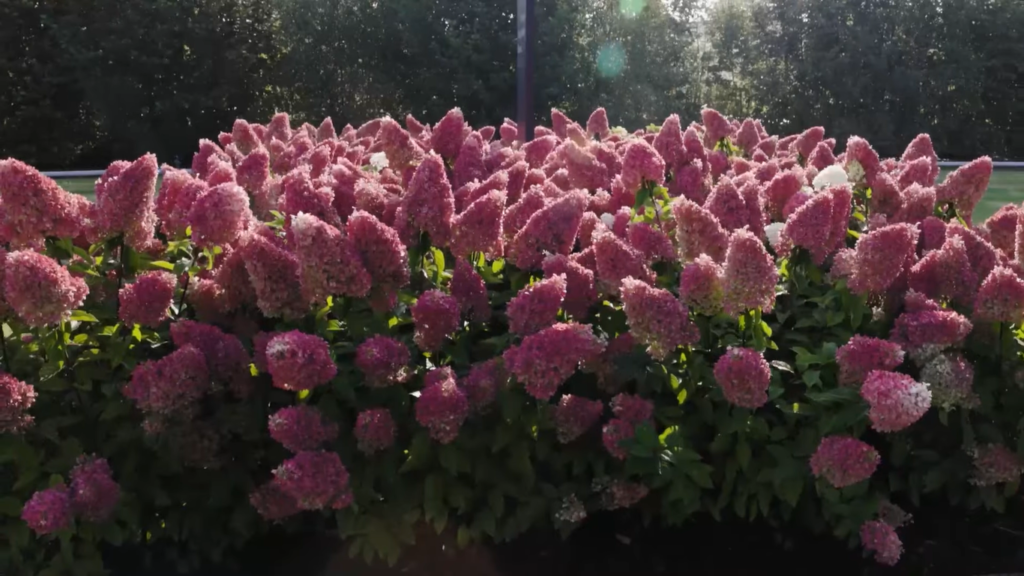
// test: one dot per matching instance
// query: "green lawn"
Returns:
(1007, 186)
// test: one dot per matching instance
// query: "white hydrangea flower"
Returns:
(834, 175)
(773, 231)
(608, 219)
(379, 161)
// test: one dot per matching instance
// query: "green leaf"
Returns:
(10, 506)
(161, 265)
(463, 537)
(83, 316)
(743, 453)
(812, 378)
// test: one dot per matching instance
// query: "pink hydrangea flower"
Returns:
(861, 160)
(821, 157)
(272, 503)
(469, 290)
(844, 461)
(1002, 228)
(383, 360)
(584, 169)
(808, 140)
(983, 256)
(965, 186)
(16, 397)
(915, 172)
(315, 480)
(428, 204)
(537, 150)
(94, 493)
(918, 203)
(933, 234)
(329, 262)
(279, 128)
(381, 250)
(146, 300)
(1000, 298)
(779, 191)
(178, 191)
(35, 206)
(374, 430)
(651, 242)
(616, 261)
(574, 415)
(232, 277)
(299, 361)
(326, 130)
(301, 428)
(716, 126)
(580, 291)
(641, 163)
(597, 124)
(744, 376)
(926, 331)
(632, 408)
(479, 227)
(171, 384)
(48, 511)
(274, 274)
(447, 135)
(921, 148)
(614, 433)
(863, 355)
(950, 377)
(536, 307)
(244, 137)
(698, 232)
(40, 290)
(483, 382)
(442, 407)
(398, 145)
(881, 539)
(881, 257)
(945, 274)
(749, 275)
(727, 205)
(621, 494)
(226, 358)
(815, 226)
(700, 285)
(551, 229)
(669, 140)
(469, 165)
(436, 316)
(543, 361)
(747, 136)
(124, 200)
(301, 194)
(896, 400)
(219, 215)
(657, 318)
(995, 464)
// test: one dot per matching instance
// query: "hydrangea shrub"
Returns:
(370, 328)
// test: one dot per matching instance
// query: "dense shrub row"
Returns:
(388, 326)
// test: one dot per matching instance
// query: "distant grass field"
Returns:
(1007, 186)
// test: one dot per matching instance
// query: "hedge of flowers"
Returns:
(369, 330)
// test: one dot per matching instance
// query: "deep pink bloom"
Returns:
(641, 163)
(821, 157)
(965, 186)
(657, 318)
(173, 383)
(232, 277)
(543, 361)
(585, 170)
(747, 136)
(574, 415)
(447, 135)
(374, 430)
(272, 503)
(479, 227)
(996, 464)
(301, 194)
(279, 128)
(551, 229)
(398, 145)
(896, 400)
(651, 242)
(94, 493)
(178, 191)
(274, 274)
(536, 306)
(881, 538)
(221, 173)
(244, 137)
(580, 292)
(537, 150)
(1002, 229)
(983, 256)
(326, 130)
(743, 375)
(755, 205)
(811, 226)
(918, 204)
(698, 232)
(1000, 297)
(483, 382)
(383, 360)
(861, 160)
(146, 300)
(16, 397)
(436, 316)
(616, 261)
(329, 262)
(779, 191)
(469, 165)
(40, 290)
(614, 433)
(881, 256)
(862, 355)
(808, 140)
(700, 285)
(933, 234)
(219, 215)
(382, 252)
(473, 191)
(690, 181)
(442, 407)
(844, 461)
(301, 428)
(226, 358)
(951, 379)
(727, 205)
(315, 480)
(749, 275)
(428, 204)
(622, 494)
(597, 124)
(923, 333)
(519, 213)
(669, 140)
(469, 290)
(632, 408)
(124, 200)
(921, 148)
(716, 126)
(48, 511)
(298, 361)
(915, 172)
(945, 274)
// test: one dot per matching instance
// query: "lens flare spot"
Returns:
(611, 59)
(631, 8)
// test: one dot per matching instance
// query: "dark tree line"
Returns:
(86, 81)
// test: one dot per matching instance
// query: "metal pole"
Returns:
(525, 40)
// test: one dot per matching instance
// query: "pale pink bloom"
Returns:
(844, 461)
(749, 275)
(896, 400)
(657, 318)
